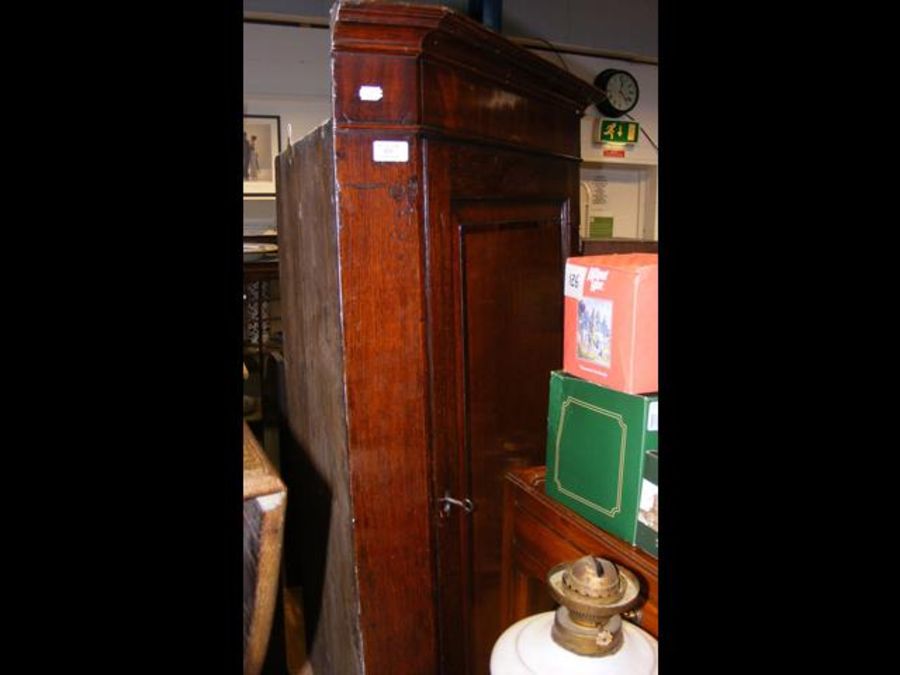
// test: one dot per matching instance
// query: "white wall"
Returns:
(630, 184)
(646, 112)
(287, 72)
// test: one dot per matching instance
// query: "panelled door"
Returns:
(495, 268)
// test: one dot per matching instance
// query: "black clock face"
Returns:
(621, 92)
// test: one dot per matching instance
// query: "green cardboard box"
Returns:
(597, 455)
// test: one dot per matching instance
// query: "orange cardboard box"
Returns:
(611, 333)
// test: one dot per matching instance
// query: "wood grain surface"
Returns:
(319, 546)
(608, 246)
(422, 315)
(539, 533)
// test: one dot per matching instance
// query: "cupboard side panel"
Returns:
(381, 251)
(318, 541)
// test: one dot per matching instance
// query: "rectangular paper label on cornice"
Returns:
(370, 92)
(390, 151)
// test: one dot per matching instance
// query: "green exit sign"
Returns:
(613, 131)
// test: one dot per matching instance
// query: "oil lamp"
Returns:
(586, 634)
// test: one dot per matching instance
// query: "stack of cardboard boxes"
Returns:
(602, 449)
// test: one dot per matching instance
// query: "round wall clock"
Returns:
(621, 91)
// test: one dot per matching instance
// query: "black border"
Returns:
(139, 437)
(133, 347)
(760, 468)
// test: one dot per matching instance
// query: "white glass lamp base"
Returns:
(526, 648)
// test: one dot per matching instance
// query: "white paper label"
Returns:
(597, 278)
(648, 510)
(370, 92)
(574, 280)
(653, 416)
(390, 151)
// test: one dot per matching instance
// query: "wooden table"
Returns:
(539, 533)
(264, 504)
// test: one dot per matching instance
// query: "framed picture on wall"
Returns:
(262, 143)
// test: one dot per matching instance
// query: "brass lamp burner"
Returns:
(592, 592)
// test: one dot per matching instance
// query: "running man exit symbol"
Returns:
(616, 132)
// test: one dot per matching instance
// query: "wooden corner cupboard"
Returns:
(423, 232)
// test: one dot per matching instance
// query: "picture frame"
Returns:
(262, 143)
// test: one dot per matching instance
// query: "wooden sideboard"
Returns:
(539, 533)
(613, 245)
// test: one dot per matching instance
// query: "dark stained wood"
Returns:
(500, 225)
(422, 305)
(399, 106)
(539, 533)
(469, 82)
(264, 504)
(509, 258)
(384, 341)
(607, 246)
(471, 105)
(319, 549)
(439, 34)
(260, 270)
